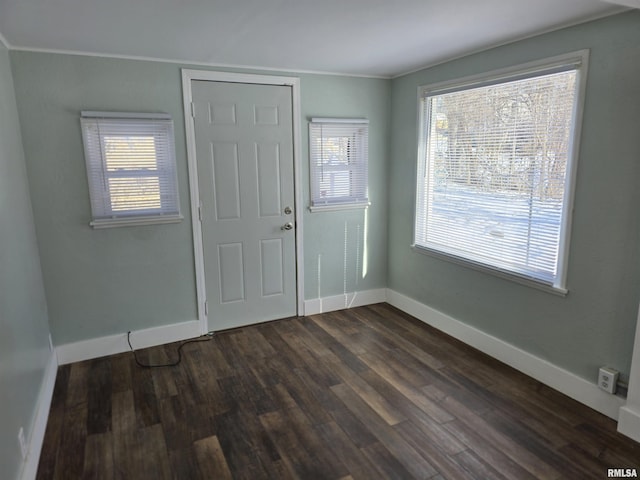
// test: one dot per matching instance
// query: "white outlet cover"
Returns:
(608, 379)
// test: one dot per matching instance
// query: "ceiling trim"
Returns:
(185, 63)
(592, 18)
(626, 3)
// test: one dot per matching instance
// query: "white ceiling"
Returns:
(359, 37)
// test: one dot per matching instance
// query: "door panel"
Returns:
(268, 172)
(226, 180)
(244, 151)
(231, 261)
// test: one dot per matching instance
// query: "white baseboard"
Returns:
(629, 422)
(112, 344)
(36, 438)
(555, 377)
(347, 300)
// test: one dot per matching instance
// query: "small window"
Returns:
(131, 168)
(496, 165)
(338, 163)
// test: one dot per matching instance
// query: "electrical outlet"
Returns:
(23, 444)
(608, 379)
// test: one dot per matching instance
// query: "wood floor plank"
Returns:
(127, 456)
(145, 400)
(535, 444)
(155, 459)
(431, 448)
(368, 393)
(211, 461)
(98, 458)
(77, 387)
(121, 372)
(73, 440)
(387, 464)
(184, 465)
(519, 454)
(375, 399)
(405, 340)
(415, 396)
(311, 441)
(99, 396)
(476, 442)
(296, 458)
(348, 357)
(344, 449)
(315, 365)
(53, 432)
(416, 464)
(475, 466)
(247, 447)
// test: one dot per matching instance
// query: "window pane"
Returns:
(134, 193)
(338, 162)
(131, 168)
(495, 164)
(130, 153)
(335, 184)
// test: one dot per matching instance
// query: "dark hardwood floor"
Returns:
(368, 393)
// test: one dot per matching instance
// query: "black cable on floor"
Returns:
(202, 338)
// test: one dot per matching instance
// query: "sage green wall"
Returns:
(348, 248)
(24, 330)
(103, 282)
(594, 324)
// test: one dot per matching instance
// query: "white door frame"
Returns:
(198, 248)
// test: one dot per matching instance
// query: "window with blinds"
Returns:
(131, 168)
(495, 169)
(338, 163)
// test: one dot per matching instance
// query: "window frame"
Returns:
(156, 125)
(361, 131)
(577, 61)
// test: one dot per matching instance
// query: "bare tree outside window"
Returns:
(493, 167)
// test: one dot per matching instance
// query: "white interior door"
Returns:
(244, 153)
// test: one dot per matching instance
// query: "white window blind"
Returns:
(494, 172)
(131, 168)
(338, 162)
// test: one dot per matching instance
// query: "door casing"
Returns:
(187, 76)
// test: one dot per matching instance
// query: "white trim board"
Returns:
(555, 377)
(188, 76)
(346, 300)
(194, 63)
(629, 422)
(39, 427)
(112, 344)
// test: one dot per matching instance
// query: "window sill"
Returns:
(527, 281)
(339, 206)
(134, 221)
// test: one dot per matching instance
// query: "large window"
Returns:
(338, 163)
(496, 164)
(131, 168)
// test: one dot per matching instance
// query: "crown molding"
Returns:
(188, 63)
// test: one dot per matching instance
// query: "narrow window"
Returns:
(338, 163)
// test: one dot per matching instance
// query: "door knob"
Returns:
(287, 226)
